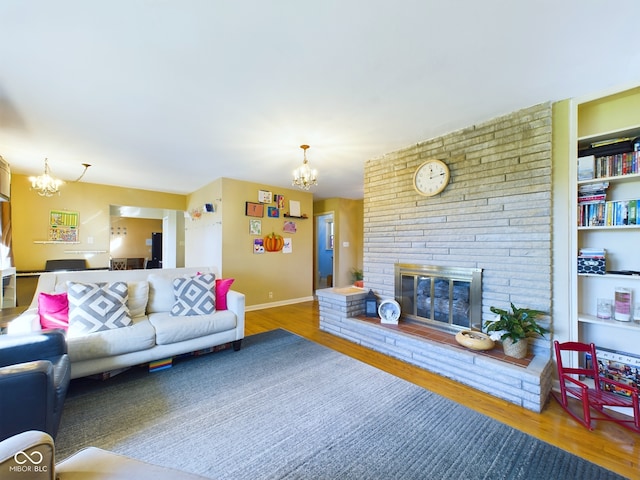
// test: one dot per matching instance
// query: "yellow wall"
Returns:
(610, 113)
(130, 236)
(348, 217)
(225, 234)
(30, 220)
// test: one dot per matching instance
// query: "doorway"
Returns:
(132, 236)
(325, 237)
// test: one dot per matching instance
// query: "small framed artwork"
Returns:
(258, 245)
(287, 247)
(273, 212)
(279, 199)
(289, 227)
(254, 209)
(255, 227)
(264, 196)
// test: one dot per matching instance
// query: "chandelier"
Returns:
(45, 184)
(305, 176)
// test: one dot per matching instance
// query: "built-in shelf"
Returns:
(609, 322)
(610, 227)
(84, 252)
(610, 275)
(629, 177)
(630, 132)
(53, 242)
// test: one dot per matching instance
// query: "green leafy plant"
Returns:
(357, 274)
(518, 324)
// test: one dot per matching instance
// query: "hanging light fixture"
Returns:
(45, 184)
(305, 176)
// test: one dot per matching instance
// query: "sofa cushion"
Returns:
(194, 295)
(223, 285)
(138, 298)
(171, 329)
(53, 310)
(161, 297)
(140, 335)
(94, 307)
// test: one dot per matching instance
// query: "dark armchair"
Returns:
(34, 378)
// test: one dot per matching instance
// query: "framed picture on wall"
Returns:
(273, 212)
(265, 196)
(254, 209)
(255, 227)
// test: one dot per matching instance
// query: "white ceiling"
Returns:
(171, 94)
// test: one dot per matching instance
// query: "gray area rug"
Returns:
(286, 408)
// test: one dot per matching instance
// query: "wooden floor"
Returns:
(609, 445)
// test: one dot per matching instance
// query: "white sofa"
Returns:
(154, 333)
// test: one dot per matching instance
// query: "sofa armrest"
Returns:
(235, 303)
(27, 394)
(28, 321)
(44, 345)
(36, 448)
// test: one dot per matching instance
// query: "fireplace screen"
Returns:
(441, 296)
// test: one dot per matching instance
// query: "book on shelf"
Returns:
(592, 214)
(586, 167)
(592, 252)
(622, 212)
(616, 165)
(592, 198)
(620, 366)
(593, 188)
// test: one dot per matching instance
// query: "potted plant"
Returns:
(514, 328)
(358, 277)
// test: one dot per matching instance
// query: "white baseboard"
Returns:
(291, 301)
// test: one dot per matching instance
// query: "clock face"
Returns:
(431, 177)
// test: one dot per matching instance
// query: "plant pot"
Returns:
(358, 283)
(515, 350)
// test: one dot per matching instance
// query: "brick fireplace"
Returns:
(494, 215)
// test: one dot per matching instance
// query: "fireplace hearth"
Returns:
(342, 314)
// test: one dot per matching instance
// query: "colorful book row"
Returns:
(608, 166)
(609, 214)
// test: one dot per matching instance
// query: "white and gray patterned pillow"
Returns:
(94, 307)
(194, 295)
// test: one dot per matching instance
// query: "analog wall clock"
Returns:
(431, 177)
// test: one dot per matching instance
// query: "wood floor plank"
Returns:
(609, 445)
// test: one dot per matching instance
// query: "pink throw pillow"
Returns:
(53, 309)
(222, 287)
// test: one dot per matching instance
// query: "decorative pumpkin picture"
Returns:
(273, 242)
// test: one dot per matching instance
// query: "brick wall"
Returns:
(495, 213)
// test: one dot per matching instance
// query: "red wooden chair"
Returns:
(598, 396)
